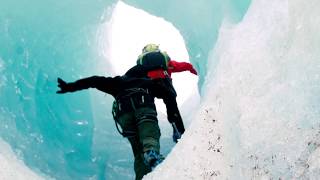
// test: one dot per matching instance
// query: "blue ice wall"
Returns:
(72, 136)
(40, 41)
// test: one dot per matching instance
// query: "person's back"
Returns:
(158, 66)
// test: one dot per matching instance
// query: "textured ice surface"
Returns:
(259, 81)
(260, 115)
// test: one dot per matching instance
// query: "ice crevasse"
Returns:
(259, 82)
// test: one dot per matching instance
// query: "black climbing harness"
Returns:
(128, 101)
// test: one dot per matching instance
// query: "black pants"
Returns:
(144, 123)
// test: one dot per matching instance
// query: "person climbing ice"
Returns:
(158, 66)
(134, 110)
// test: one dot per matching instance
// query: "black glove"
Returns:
(176, 134)
(64, 87)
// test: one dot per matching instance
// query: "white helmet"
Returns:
(150, 48)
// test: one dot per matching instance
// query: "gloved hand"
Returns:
(64, 87)
(176, 134)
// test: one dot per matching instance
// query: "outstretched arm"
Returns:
(175, 66)
(99, 82)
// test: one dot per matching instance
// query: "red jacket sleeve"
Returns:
(175, 66)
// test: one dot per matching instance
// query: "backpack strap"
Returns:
(140, 59)
(166, 58)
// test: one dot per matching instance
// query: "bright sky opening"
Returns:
(131, 29)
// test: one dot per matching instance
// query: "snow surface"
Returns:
(12, 167)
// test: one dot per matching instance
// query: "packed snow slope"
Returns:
(260, 113)
(259, 82)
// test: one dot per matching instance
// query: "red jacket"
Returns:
(173, 66)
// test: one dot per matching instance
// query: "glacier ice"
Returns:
(260, 107)
(259, 82)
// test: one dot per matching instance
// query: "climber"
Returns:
(134, 110)
(158, 66)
